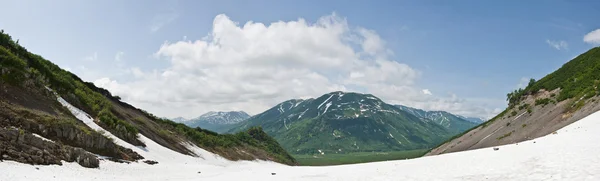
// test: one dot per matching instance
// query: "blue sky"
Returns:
(467, 54)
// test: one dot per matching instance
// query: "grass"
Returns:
(357, 157)
(505, 135)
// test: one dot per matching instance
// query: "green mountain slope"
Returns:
(341, 122)
(453, 123)
(544, 106)
(28, 106)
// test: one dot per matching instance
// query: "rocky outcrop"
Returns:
(65, 132)
(21, 146)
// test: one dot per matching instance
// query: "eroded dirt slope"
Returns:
(528, 123)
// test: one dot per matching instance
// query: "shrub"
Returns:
(542, 102)
(505, 135)
(521, 107)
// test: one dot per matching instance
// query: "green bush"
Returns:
(542, 102)
(521, 107)
(505, 135)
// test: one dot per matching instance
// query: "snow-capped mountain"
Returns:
(473, 119)
(179, 120)
(218, 121)
(451, 121)
(345, 122)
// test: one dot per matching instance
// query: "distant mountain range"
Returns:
(341, 122)
(178, 119)
(473, 119)
(454, 123)
(215, 121)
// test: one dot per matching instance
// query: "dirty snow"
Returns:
(41, 137)
(571, 154)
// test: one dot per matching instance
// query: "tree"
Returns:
(531, 82)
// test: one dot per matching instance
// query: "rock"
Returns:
(273, 173)
(199, 172)
(150, 162)
(33, 150)
(496, 149)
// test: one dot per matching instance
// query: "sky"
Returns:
(185, 58)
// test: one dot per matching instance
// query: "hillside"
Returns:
(37, 100)
(218, 122)
(454, 123)
(570, 154)
(558, 99)
(341, 122)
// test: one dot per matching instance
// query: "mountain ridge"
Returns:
(218, 121)
(342, 122)
(454, 122)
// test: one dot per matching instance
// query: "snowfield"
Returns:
(571, 154)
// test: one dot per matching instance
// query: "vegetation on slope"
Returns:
(578, 78)
(223, 143)
(342, 122)
(357, 157)
(21, 68)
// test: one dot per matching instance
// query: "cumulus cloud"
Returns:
(592, 37)
(426, 92)
(253, 66)
(558, 45)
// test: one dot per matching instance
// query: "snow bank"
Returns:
(571, 154)
(153, 150)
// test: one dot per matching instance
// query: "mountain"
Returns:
(472, 119)
(544, 106)
(49, 116)
(455, 124)
(341, 122)
(570, 154)
(218, 121)
(179, 120)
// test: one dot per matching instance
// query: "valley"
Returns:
(299, 90)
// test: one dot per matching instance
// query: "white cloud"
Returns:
(426, 92)
(119, 56)
(162, 19)
(137, 73)
(92, 57)
(253, 66)
(592, 37)
(558, 45)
